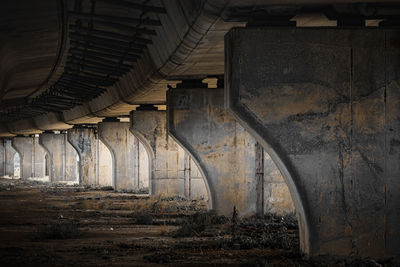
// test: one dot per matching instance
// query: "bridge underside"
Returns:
(251, 108)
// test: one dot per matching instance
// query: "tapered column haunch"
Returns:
(84, 140)
(325, 104)
(120, 141)
(24, 145)
(224, 150)
(172, 170)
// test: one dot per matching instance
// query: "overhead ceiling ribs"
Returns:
(103, 47)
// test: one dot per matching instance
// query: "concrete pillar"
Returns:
(223, 149)
(118, 138)
(9, 154)
(325, 104)
(24, 145)
(170, 164)
(63, 157)
(39, 153)
(85, 142)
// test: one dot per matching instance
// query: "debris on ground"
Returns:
(54, 225)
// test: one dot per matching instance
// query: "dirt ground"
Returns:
(53, 225)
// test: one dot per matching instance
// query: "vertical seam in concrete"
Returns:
(64, 159)
(351, 138)
(385, 142)
(33, 158)
(97, 160)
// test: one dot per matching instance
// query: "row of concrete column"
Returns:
(49, 155)
(208, 155)
(155, 163)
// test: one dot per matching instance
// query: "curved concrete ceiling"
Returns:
(108, 56)
(29, 45)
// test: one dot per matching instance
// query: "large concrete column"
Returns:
(63, 157)
(325, 103)
(84, 140)
(223, 149)
(24, 145)
(172, 171)
(118, 138)
(39, 153)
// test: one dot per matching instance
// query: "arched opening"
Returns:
(105, 165)
(17, 166)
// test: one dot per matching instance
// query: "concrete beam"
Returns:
(85, 142)
(222, 148)
(171, 170)
(325, 103)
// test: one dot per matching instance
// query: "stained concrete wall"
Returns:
(223, 149)
(63, 157)
(168, 169)
(325, 102)
(25, 147)
(121, 142)
(85, 142)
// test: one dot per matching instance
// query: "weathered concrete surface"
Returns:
(121, 142)
(24, 146)
(325, 104)
(168, 175)
(223, 149)
(63, 157)
(85, 142)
